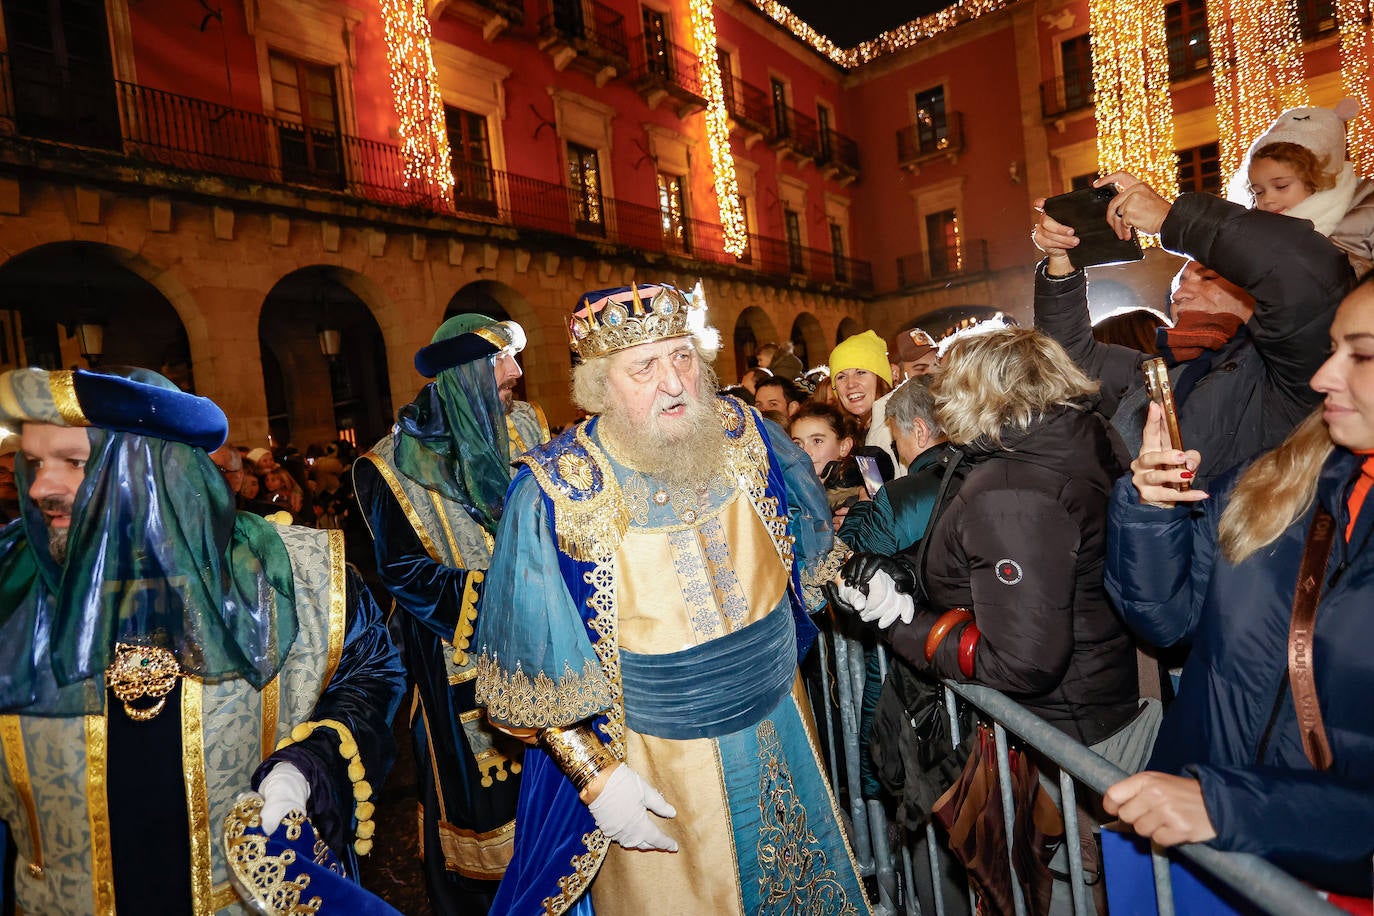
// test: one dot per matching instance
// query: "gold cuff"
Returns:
(578, 753)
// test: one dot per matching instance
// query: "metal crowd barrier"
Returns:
(1260, 883)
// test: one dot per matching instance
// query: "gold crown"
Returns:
(616, 325)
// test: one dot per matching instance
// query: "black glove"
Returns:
(840, 606)
(859, 569)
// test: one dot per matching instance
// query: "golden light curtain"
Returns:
(423, 131)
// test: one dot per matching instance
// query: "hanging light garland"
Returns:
(1357, 50)
(1256, 51)
(899, 39)
(1135, 124)
(415, 85)
(718, 130)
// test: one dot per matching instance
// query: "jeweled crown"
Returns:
(613, 319)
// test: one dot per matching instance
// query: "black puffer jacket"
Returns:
(1022, 545)
(1245, 398)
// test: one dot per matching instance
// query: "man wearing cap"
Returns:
(642, 622)
(432, 493)
(160, 654)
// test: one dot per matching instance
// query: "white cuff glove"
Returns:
(884, 604)
(622, 812)
(283, 790)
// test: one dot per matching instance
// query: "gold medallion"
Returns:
(142, 671)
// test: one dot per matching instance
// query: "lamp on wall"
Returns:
(91, 337)
(329, 343)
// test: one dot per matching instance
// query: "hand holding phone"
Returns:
(1161, 391)
(873, 477)
(1086, 213)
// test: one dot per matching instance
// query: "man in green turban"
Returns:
(432, 492)
(160, 653)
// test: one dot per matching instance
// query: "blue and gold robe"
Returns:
(673, 620)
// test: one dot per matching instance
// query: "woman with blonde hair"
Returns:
(1269, 747)
(1006, 587)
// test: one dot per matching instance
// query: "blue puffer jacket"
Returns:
(1233, 725)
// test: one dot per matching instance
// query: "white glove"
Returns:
(884, 604)
(622, 812)
(283, 790)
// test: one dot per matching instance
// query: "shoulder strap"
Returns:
(1300, 662)
(942, 499)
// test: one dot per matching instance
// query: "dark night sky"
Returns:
(848, 22)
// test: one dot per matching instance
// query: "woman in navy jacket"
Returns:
(1219, 572)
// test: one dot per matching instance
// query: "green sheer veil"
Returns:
(452, 438)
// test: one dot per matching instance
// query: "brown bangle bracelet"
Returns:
(948, 621)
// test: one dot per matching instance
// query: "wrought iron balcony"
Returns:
(150, 127)
(926, 140)
(941, 263)
(586, 33)
(839, 156)
(748, 105)
(1067, 94)
(665, 69)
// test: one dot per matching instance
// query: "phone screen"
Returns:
(873, 478)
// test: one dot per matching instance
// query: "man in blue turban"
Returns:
(432, 492)
(160, 654)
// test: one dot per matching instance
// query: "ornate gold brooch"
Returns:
(142, 671)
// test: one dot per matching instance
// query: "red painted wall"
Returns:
(979, 77)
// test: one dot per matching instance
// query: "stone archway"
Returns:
(312, 397)
(146, 319)
(808, 341)
(848, 328)
(505, 303)
(753, 328)
(942, 322)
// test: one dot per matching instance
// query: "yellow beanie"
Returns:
(862, 351)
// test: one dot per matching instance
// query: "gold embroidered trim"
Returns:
(223, 895)
(259, 877)
(516, 699)
(98, 815)
(473, 854)
(517, 441)
(271, 697)
(403, 501)
(467, 618)
(462, 677)
(197, 796)
(543, 422)
(585, 867)
(338, 604)
(62, 384)
(357, 774)
(606, 624)
(591, 528)
(438, 502)
(17, 763)
(823, 572)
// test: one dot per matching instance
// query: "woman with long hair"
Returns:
(1269, 747)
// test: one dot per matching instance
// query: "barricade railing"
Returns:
(1262, 884)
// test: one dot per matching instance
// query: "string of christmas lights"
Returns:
(1257, 71)
(718, 129)
(1357, 50)
(423, 131)
(1135, 125)
(898, 39)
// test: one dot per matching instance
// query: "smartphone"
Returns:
(1085, 212)
(873, 478)
(1161, 391)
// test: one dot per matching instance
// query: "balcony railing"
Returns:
(917, 142)
(799, 133)
(839, 150)
(591, 27)
(1067, 94)
(942, 263)
(198, 136)
(749, 105)
(666, 67)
